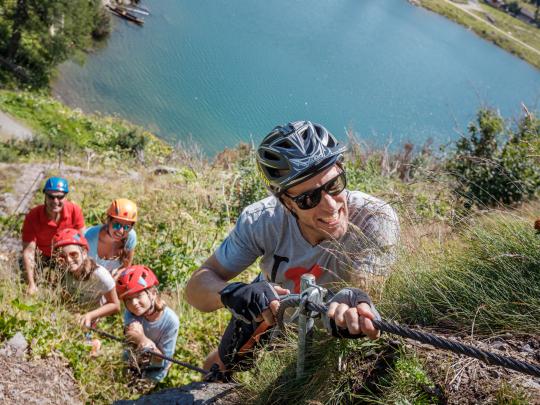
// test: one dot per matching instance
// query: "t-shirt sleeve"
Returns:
(78, 217)
(131, 240)
(240, 249)
(28, 230)
(167, 345)
(381, 232)
(92, 235)
(106, 282)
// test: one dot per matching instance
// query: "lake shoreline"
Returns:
(480, 21)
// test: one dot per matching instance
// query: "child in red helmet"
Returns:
(89, 284)
(148, 322)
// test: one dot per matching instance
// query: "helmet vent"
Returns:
(285, 144)
(271, 156)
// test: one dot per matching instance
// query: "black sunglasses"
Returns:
(310, 199)
(55, 197)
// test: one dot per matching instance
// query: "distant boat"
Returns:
(139, 7)
(123, 13)
(137, 10)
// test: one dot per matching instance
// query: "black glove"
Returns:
(248, 301)
(351, 297)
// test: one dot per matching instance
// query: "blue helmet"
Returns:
(56, 184)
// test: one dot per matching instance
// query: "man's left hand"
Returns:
(357, 320)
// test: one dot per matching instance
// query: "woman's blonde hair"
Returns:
(89, 266)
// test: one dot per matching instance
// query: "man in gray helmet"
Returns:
(311, 224)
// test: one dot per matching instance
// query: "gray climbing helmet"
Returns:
(295, 152)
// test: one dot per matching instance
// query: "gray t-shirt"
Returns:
(163, 332)
(89, 293)
(266, 229)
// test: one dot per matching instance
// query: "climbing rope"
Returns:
(423, 337)
(148, 351)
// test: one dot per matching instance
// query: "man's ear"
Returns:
(288, 204)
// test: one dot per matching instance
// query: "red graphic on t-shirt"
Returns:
(295, 273)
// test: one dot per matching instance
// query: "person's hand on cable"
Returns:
(350, 313)
(253, 302)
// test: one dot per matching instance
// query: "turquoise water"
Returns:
(224, 71)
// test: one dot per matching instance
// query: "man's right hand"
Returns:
(31, 289)
(251, 302)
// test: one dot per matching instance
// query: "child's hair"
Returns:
(159, 304)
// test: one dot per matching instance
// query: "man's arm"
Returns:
(202, 290)
(29, 264)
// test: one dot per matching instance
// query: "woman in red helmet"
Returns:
(148, 322)
(90, 285)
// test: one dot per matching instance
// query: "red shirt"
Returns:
(39, 228)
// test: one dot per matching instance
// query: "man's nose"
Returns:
(328, 201)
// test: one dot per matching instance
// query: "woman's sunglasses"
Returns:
(63, 257)
(117, 226)
(310, 199)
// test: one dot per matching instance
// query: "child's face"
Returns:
(138, 304)
(71, 258)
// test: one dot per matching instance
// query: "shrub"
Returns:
(494, 164)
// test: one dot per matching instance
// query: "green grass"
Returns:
(485, 280)
(60, 128)
(462, 273)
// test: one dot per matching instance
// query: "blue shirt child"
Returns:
(163, 332)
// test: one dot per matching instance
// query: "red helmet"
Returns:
(134, 279)
(69, 236)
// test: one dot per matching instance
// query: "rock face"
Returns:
(44, 381)
(16, 345)
(197, 393)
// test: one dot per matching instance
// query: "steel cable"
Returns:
(424, 337)
(161, 356)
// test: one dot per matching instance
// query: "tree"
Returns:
(37, 35)
(514, 8)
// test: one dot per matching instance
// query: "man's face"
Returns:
(329, 218)
(54, 201)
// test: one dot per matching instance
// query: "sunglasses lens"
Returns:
(55, 197)
(310, 199)
(337, 185)
(117, 226)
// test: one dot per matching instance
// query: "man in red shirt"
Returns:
(42, 223)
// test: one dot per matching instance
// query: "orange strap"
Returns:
(254, 339)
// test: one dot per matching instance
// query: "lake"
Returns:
(218, 72)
